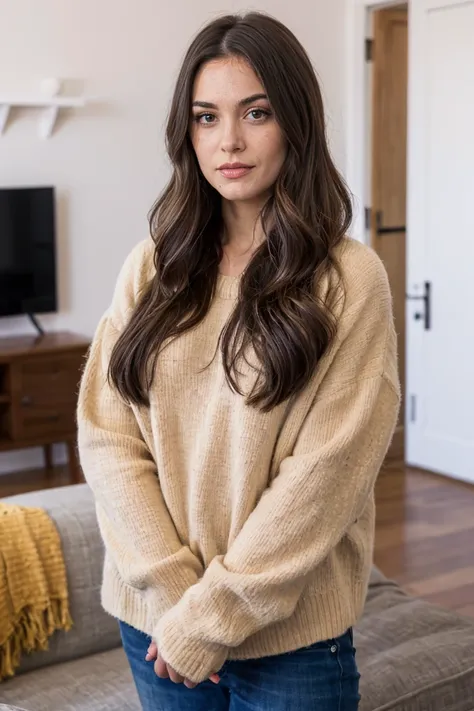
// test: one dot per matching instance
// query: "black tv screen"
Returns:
(27, 251)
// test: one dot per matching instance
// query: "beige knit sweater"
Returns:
(231, 533)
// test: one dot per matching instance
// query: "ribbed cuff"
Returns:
(191, 657)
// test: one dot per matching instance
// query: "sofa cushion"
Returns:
(101, 682)
(73, 512)
(413, 656)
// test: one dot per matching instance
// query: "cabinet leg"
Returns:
(48, 456)
(74, 468)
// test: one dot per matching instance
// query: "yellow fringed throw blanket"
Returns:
(33, 586)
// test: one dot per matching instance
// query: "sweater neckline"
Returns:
(227, 287)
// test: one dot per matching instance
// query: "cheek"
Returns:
(273, 149)
(197, 145)
(204, 149)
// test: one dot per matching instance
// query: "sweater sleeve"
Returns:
(135, 523)
(317, 494)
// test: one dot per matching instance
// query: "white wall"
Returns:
(107, 160)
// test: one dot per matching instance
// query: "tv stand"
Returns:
(38, 393)
(36, 323)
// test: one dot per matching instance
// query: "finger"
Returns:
(174, 676)
(190, 684)
(215, 678)
(161, 668)
(152, 652)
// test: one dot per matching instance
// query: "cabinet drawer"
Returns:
(50, 381)
(45, 420)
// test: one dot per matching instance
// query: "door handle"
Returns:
(426, 298)
(379, 230)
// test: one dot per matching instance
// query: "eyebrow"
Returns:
(242, 102)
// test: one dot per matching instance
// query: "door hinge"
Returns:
(412, 408)
(369, 49)
(368, 218)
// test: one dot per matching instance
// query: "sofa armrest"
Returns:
(73, 511)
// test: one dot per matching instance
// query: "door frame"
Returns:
(357, 107)
(359, 145)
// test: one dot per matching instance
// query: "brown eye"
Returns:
(204, 119)
(258, 115)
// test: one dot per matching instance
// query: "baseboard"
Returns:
(26, 459)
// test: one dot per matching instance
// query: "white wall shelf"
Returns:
(50, 105)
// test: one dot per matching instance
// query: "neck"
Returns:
(243, 234)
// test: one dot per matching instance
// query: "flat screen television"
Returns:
(27, 251)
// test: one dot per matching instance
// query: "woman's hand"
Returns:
(166, 671)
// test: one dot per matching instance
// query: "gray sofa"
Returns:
(412, 656)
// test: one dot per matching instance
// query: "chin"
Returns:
(241, 193)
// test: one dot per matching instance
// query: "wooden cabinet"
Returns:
(39, 378)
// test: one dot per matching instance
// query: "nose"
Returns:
(232, 138)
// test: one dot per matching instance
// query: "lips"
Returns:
(234, 170)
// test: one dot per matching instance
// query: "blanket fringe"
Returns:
(31, 632)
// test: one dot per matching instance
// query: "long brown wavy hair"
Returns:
(278, 311)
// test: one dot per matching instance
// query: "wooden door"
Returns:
(389, 168)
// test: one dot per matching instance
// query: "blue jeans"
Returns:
(322, 677)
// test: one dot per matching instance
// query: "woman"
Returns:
(239, 398)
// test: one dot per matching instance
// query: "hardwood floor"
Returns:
(424, 535)
(33, 480)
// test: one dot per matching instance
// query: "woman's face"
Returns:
(238, 143)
